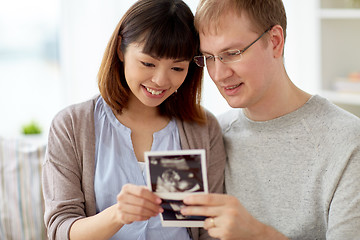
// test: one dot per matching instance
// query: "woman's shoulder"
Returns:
(210, 117)
(211, 125)
(75, 113)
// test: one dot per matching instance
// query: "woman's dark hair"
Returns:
(166, 29)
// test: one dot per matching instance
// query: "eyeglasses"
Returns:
(229, 56)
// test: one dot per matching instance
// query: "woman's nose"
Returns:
(160, 78)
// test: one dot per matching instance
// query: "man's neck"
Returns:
(285, 99)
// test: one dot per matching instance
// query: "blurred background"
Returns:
(50, 52)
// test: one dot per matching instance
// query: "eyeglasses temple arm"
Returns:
(256, 40)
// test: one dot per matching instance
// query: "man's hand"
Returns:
(227, 218)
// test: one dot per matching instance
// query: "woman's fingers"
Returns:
(131, 213)
(136, 203)
(140, 191)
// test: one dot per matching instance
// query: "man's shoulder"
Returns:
(335, 114)
(228, 118)
(332, 119)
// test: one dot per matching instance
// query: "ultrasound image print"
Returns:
(173, 175)
(176, 173)
(172, 211)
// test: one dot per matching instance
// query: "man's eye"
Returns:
(232, 53)
(208, 57)
(148, 64)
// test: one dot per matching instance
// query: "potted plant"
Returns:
(31, 128)
(32, 134)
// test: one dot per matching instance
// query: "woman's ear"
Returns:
(119, 52)
(277, 40)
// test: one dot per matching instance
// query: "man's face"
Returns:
(248, 82)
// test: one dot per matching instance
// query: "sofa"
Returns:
(21, 201)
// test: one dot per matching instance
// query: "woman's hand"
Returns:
(227, 218)
(136, 203)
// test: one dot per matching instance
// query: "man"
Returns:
(293, 159)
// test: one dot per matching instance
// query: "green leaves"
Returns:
(31, 128)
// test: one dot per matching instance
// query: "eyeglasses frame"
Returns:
(237, 53)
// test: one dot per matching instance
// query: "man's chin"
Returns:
(234, 102)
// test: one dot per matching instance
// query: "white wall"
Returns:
(84, 38)
(302, 47)
(30, 87)
(89, 24)
(86, 27)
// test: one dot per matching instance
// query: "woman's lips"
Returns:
(153, 91)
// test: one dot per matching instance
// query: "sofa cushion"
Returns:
(21, 201)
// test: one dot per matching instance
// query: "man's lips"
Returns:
(232, 86)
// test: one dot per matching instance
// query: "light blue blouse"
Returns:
(116, 165)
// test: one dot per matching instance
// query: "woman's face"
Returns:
(151, 79)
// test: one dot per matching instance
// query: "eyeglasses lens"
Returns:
(200, 61)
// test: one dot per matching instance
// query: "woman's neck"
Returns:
(139, 116)
(143, 121)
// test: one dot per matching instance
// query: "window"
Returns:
(29, 63)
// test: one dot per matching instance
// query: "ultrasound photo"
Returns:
(172, 214)
(172, 175)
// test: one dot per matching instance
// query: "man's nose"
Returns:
(219, 71)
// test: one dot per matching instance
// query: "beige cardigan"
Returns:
(68, 170)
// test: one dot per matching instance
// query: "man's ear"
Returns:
(119, 52)
(277, 40)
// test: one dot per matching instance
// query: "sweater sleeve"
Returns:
(216, 156)
(344, 209)
(208, 137)
(66, 175)
(64, 201)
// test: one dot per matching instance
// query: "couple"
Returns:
(293, 160)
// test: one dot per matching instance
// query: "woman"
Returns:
(93, 176)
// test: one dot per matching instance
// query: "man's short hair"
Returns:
(262, 13)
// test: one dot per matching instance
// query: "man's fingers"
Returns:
(215, 232)
(200, 205)
(212, 199)
(200, 211)
(210, 205)
(209, 223)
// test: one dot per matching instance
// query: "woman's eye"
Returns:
(178, 69)
(146, 64)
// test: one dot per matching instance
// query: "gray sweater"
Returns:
(68, 170)
(298, 173)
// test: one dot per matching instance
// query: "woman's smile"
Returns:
(154, 92)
